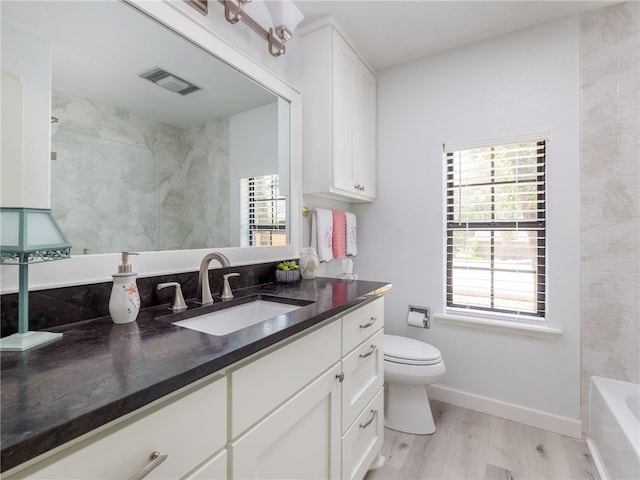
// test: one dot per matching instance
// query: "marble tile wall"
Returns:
(139, 184)
(610, 177)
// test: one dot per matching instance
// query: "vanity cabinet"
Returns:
(301, 439)
(339, 116)
(286, 410)
(362, 388)
(265, 383)
(312, 408)
(307, 407)
(189, 428)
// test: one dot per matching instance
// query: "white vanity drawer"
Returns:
(363, 441)
(262, 385)
(188, 430)
(363, 376)
(360, 324)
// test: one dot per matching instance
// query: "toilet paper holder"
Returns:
(425, 311)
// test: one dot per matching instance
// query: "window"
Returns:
(495, 211)
(263, 211)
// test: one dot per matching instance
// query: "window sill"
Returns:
(484, 323)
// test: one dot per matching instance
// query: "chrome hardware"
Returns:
(203, 294)
(374, 413)
(228, 13)
(370, 352)
(177, 304)
(226, 289)
(340, 377)
(156, 459)
(425, 311)
(369, 323)
(359, 187)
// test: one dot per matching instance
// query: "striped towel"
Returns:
(352, 234)
(339, 235)
(322, 234)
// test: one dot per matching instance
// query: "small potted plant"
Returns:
(287, 272)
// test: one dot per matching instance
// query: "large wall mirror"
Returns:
(156, 143)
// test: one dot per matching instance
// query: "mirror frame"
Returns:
(86, 269)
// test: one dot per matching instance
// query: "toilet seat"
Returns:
(408, 351)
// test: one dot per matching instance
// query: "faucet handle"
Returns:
(177, 304)
(226, 289)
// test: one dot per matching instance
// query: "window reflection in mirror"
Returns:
(140, 165)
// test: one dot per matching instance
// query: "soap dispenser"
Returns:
(124, 303)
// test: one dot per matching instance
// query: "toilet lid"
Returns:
(409, 351)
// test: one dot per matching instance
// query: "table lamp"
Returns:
(29, 235)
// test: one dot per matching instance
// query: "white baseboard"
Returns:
(510, 411)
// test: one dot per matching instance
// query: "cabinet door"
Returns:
(301, 439)
(363, 376)
(364, 132)
(363, 442)
(120, 452)
(259, 387)
(344, 81)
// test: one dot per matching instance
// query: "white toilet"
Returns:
(409, 366)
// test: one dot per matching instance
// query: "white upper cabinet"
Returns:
(339, 117)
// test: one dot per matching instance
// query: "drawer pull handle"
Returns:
(374, 413)
(369, 323)
(156, 459)
(370, 352)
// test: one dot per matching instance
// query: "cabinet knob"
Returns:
(340, 377)
(156, 459)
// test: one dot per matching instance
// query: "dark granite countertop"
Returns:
(100, 371)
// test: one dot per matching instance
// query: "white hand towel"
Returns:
(352, 234)
(322, 234)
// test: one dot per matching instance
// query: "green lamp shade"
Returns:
(29, 235)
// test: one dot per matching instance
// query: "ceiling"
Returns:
(93, 60)
(390, 32)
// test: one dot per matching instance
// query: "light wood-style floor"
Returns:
(473, 445)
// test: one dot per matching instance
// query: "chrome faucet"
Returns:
(177, 304)
(203, 294)
(226, 288)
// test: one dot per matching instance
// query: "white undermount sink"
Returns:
(223, 322)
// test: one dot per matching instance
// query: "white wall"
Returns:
(523, 82)
(25, 180)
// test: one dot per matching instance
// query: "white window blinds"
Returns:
(495, 212)
(263, 212)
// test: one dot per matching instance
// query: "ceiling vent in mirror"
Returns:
(170, 82)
